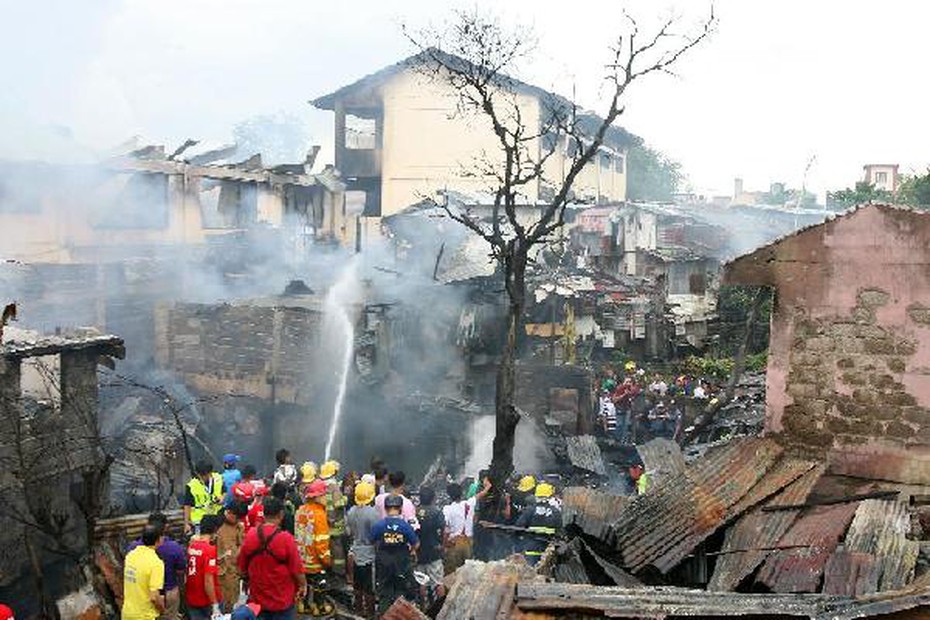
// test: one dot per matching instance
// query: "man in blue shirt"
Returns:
(231, 473)
(394, 540)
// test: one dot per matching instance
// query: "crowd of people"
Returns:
(271, 547)
(635, 406)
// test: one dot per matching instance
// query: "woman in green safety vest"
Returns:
(203, 496)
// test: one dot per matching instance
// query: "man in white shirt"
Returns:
(460, 522)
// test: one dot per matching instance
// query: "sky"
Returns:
(779, 85)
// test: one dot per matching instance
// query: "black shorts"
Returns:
(364, 579)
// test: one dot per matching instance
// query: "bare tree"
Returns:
(473, 58)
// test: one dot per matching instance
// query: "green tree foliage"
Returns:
(915, 190)
(651, 175)
(863, 193)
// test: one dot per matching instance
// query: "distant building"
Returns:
(882, 176)
(400, 136)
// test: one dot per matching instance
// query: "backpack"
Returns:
(264, 547)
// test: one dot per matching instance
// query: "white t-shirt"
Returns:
(460, 518)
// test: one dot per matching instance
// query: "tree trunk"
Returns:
(505, 409)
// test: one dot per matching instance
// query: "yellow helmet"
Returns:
(329, 469)
(526, 483)
(630, 365)
(364, 493)
(544, 489)
(308, 472)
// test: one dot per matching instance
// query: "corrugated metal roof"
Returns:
(563, 600)
(662, 527)
(591, 510)
(759, 530)
(662, 458)
(482, 590)
(584, 453)
(816, 534)
(402, 609)
(876, 555)
(556, 600)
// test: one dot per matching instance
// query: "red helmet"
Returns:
(316, 488)
(243, 491)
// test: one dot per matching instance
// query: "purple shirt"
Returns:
(174, 557)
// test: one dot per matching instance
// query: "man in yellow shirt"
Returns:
(143, 578)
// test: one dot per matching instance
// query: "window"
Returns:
(618, 164)
(605, 161)
(881, 178)
(360, 133)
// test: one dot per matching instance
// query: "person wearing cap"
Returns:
(308, 473)
(249, 611)
(270, 562)
(231, 473)
(336, 515)
(143, 578)
(360, 565)
(229, 539)
(542, 521)
(311, 531)
(202, 496)
(394, 539)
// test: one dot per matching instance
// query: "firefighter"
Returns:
(336, 515)
(542, 520)
(312, 535)
(394, 541)
(203, 496)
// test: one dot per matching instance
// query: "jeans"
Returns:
(288, 614)
(199, 613)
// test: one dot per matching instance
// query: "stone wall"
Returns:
(261, 351)
(850, 341)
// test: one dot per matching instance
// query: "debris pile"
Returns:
(744, 530)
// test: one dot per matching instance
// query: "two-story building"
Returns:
(401, 135)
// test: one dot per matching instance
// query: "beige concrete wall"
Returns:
(595, 182)
(429, 145)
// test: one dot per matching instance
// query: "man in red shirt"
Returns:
(271, 563)
(203, 588)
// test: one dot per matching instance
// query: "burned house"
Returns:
(671, 255)
(850, 343)
(56, 460)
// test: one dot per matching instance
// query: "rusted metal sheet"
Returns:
(571, 600)
(758, 532)
(591, 510)
(402, 609)
(662, 527)
(881, 557)
(482, 590)
(584, 453)
(816, 535)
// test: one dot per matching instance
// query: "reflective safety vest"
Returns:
(643, 484)
(546, 519)
(208, 498)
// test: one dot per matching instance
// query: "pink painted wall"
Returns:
(849, 362)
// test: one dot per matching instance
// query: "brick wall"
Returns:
(260, 351)
(850, 342)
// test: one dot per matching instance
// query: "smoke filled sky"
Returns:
(779, 83)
